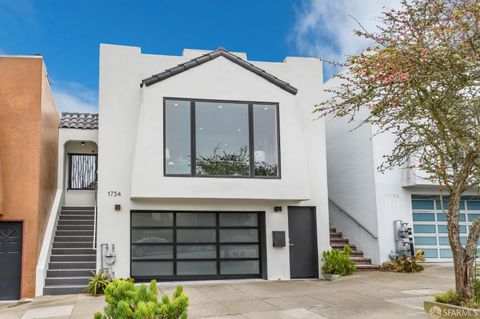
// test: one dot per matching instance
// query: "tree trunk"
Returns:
(463, 257)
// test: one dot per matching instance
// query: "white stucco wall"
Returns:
(351, 180)
(130, 144)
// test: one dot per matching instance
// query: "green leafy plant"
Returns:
(450, 297)
(337, 262)
(97, 283)
(405, 264)
(127, 301)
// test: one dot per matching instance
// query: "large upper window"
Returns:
(230, 139)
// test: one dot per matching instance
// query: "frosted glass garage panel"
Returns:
(152, 236)
(152, 268)
(238, 235)
(152, 252)
(240, 267)
(196, 268)
(239, 251)
(422, 204)
(425, 240)
(195, 219)
(238, 220)
(196, 251)
(424, 229)
(152, 219)
(196, 235)
(421, 217)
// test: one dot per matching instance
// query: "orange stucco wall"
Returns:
(28, 154)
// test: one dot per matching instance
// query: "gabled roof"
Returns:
(213, 55)
(84, 121)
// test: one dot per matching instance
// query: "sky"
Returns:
(68, 33)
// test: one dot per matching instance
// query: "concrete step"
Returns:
(59, 281)
(367, 267)
(56, 273)
(63, 290)
(58, 239)
(69, 244)
(76, 222)
(356, 253)
(66, 257)
(72, 265)
(340, 246)
(78, 208)
(361, 260)
(75, 227)
(75, 217)
(74, 232)
(336, 235)
(338, 240)
(73, 251)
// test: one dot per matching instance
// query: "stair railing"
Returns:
(94, 244)
(353, 219)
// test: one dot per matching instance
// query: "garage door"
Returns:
(430, 225)
(10, 260)
(196, 245)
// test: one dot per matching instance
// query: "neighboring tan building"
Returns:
(28, 169)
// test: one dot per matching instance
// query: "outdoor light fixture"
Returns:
(83, 143)
(277, 209)
(117, 207)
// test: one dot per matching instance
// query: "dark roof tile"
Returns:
(85, 121)
(212, 55)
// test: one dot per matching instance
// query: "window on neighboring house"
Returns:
(229, 139)
(82, 171)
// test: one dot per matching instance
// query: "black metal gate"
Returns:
(82, 171)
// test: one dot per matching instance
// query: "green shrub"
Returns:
(97, 283)
(126, 301)
(450, 297)
(337, 262)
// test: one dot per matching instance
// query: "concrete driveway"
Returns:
(363, 295)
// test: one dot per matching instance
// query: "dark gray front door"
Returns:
(303, 242)
(10, 260)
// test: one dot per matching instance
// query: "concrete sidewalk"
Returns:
(363, 295)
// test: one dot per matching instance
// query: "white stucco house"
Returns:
(365, 204)
(212, 167)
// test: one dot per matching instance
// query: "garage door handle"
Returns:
(291, 245)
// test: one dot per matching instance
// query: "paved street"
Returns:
(363, 295)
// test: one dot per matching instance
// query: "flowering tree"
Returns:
(420, 80)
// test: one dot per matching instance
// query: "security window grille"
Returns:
(186, 245)
(83, 171)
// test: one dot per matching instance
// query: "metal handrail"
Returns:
(94, 244)
(353, 218)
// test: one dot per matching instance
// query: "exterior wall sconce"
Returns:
(82, 143)
(118, 207)
(277, 209)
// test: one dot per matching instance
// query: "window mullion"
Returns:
(193, 139)
(251, 140)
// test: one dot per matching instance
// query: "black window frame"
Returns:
(69, 184)
(261, 242)
(193, 151)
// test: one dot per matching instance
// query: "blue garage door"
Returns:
(430, 224)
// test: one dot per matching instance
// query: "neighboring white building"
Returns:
(204, 163)
(364, 203)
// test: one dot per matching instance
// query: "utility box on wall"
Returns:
(278, 238)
